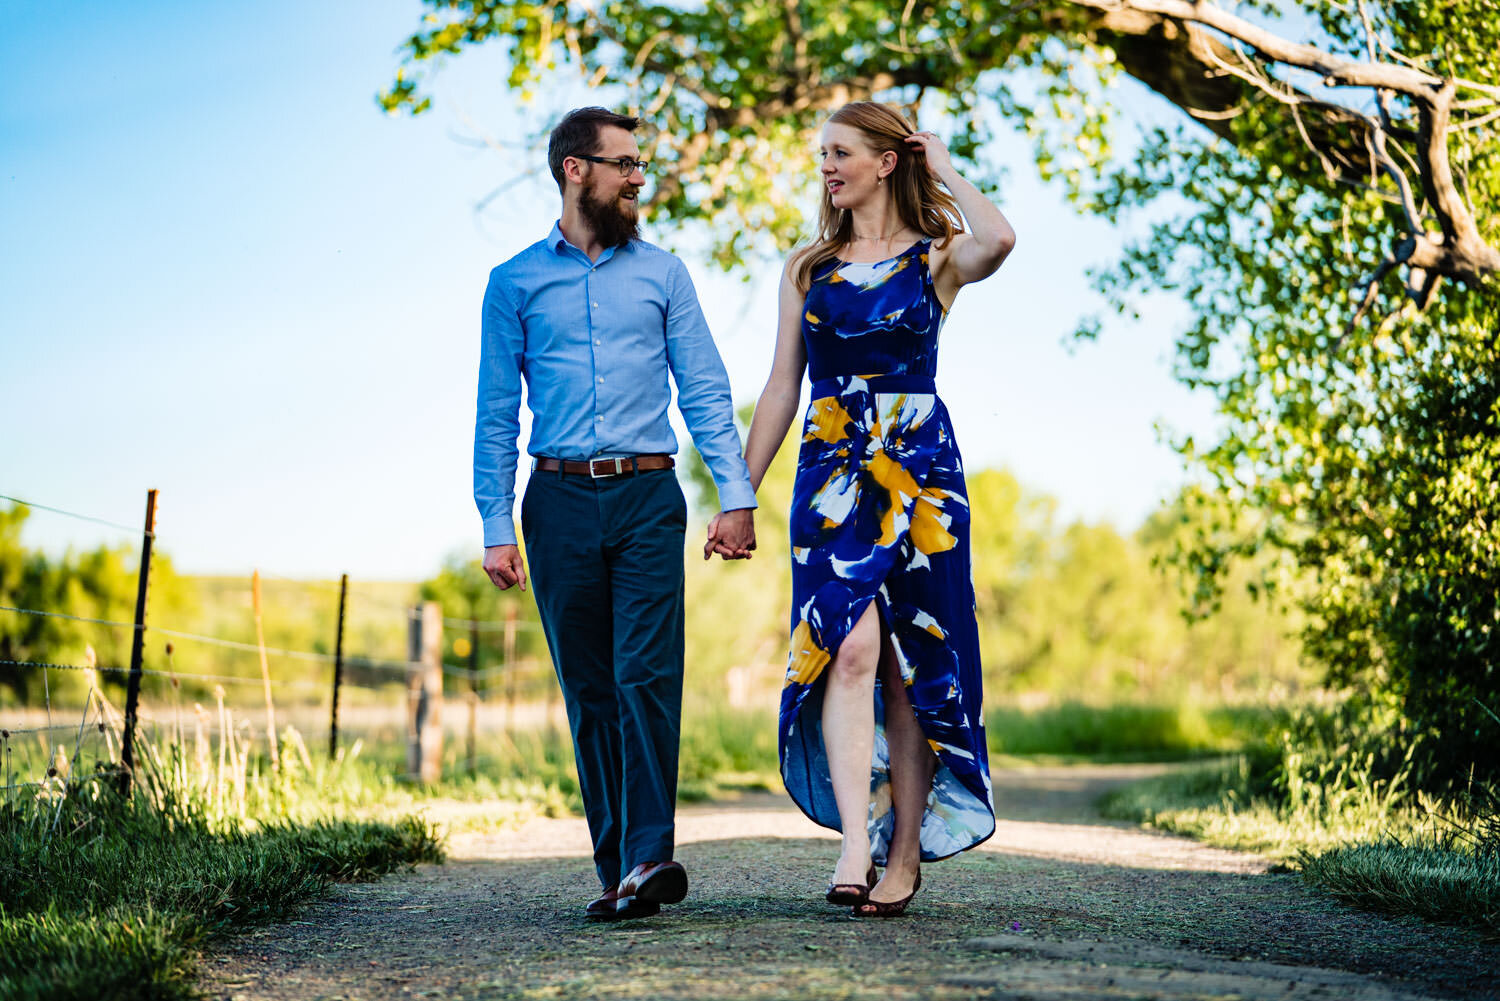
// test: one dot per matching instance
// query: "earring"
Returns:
(880, 180)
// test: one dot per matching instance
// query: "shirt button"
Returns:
(601, 378)
(599, 417)
(597, 341)
(594, 304)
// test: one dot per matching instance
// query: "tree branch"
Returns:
(1167, 45)
(1336, 70)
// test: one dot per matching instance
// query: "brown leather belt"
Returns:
(600, 468)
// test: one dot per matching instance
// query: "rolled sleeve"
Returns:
(703, 393)
(496, 422)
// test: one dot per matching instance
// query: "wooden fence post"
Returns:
(424, 694)
(137, 648)
(473, 694)
(265, 673)
(338, 670)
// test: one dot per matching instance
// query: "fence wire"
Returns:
(231, 679)
(64, 615)
(7, 732)
(74, 514)
(98, 734)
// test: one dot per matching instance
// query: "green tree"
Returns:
(1081, 608)
(1327, 210)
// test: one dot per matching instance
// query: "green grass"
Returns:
(116, 954)
(1353, 832)
(1123, 731)
(1449, 873)
(109, 898)
(104, 896)
(1228, 803)
(725, 750)
(1433, 880)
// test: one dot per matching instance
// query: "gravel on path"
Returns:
(1059, 904)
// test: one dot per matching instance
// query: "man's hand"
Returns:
(731, 534)
(505, 566)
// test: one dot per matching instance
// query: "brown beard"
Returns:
(611, 226)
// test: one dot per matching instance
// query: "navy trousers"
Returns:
(606, 566)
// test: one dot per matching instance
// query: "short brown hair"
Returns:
(578, 135)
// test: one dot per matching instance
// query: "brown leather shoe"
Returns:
(604, 906)
(648, 886)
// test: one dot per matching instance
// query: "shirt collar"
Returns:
(560, 246)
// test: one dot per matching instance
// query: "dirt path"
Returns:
(1057, 905)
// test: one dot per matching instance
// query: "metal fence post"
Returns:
(137, 649)
(338, 670)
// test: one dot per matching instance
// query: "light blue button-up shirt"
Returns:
(594, 341)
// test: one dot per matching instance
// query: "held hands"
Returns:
(505, 566)
(928, 144)
(731, 534)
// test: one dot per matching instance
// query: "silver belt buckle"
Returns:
(614, 470)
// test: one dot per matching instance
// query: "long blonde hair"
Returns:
(921, 203)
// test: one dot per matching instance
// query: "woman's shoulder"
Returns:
(941, 248)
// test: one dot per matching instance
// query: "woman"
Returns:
(884, 665)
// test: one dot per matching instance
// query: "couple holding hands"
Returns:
(881, 730)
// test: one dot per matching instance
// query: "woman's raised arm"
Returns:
(975, 255)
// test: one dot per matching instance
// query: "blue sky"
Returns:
(227, 275)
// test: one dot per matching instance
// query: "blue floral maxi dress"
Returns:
(880, 514)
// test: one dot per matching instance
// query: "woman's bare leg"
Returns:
(912, 767)
(849, 740)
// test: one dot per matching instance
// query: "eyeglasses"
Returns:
(626, 164)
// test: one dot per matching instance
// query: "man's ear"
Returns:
(573, 169)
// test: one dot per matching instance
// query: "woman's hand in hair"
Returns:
(931, 147)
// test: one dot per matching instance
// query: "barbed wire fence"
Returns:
(56, 752)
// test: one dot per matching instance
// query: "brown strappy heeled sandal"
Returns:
(886, 908)
(845, 894)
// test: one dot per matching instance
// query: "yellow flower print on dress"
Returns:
(808, 659)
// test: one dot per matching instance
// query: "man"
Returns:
(595, 319)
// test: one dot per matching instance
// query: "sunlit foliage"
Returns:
(1359, 447)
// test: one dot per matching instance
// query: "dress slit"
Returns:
(802, 744)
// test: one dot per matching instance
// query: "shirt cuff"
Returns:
(736, 496)
(499, 531)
